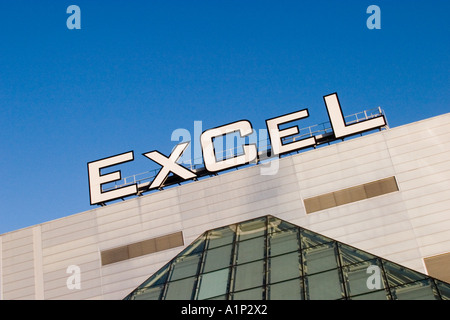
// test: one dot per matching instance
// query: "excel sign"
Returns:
(212, 164)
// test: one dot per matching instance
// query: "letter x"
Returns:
(169, 165)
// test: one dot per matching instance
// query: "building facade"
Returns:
(267, 258)
(385, 193)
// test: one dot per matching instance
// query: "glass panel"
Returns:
(250, 250)
(160, 277)
(324, 286)
(398, 275)
(252, 229)
(285, 267)
(149, 294)
(310, 239)
(377, 295)
(277, 225)
(222, 236)
(282, 242)
(253, 294)
(185, 267)
(249, 275)
(363, 277)
(351, 255)
(444, 289)
(181, 289)
(223, 297)
(420, 290)
(319, 258)
(217, 258)
(195, 247)
(213, 284)
(288, 290)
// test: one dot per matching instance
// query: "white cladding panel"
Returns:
(403, 226)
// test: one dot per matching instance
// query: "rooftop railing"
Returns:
(323, 133)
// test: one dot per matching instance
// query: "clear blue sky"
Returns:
(138, 70)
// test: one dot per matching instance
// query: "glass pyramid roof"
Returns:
(270, 259)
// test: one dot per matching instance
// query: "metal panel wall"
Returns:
(403, 226)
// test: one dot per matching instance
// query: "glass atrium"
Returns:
(271, 259)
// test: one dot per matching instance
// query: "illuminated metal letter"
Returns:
(340, 128)
(275, 134)
(96, 179)
(169, 165)
(250, 154)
